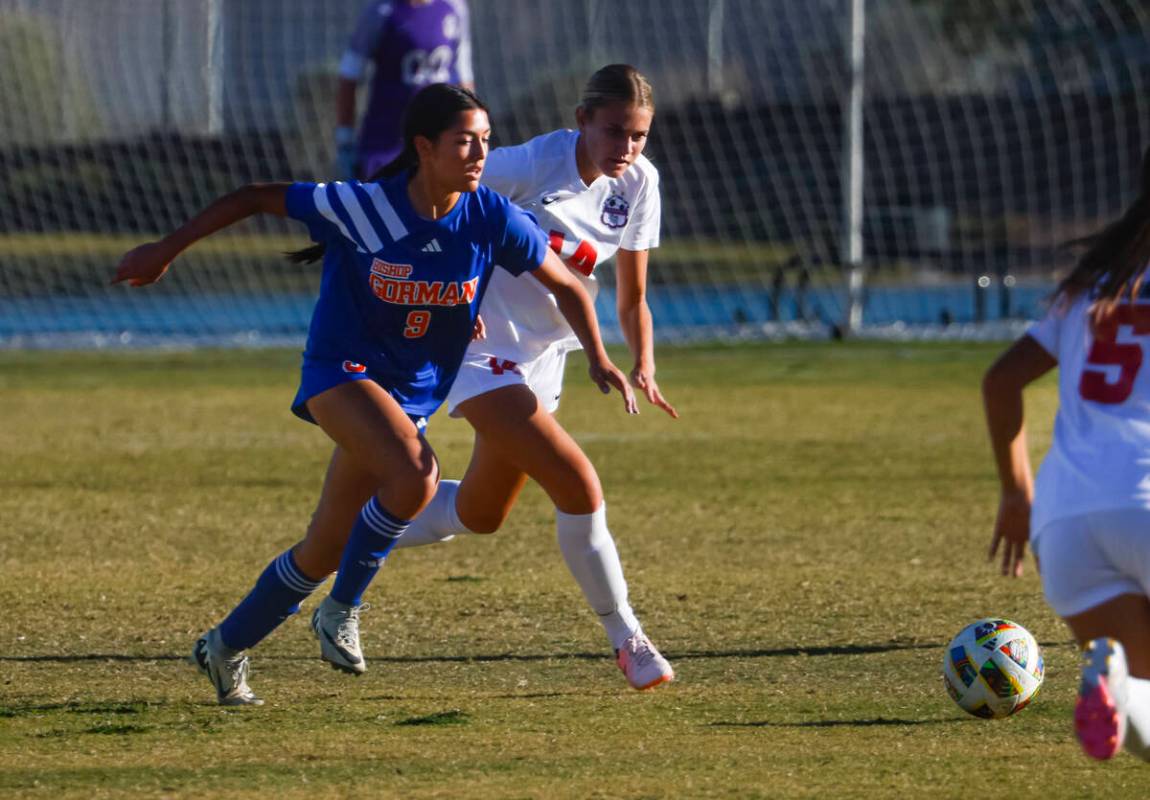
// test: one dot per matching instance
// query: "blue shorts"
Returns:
(318, 376)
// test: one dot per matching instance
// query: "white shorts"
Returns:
(1090, 559)
(482, 372)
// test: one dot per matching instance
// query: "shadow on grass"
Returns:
(837, 723)
(680, 655)
(78, 707)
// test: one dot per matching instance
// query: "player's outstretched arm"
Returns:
(635, 320)
(148, 262)
(1023, 362)
(576, 307)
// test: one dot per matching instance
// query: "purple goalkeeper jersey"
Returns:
(411, 45)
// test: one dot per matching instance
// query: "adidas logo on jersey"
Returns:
(432, 247)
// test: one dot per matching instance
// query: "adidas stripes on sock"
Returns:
(374, 534)
(275, 597)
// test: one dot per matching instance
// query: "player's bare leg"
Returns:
(378, 447)
(346, 487)
(489, 489)
(478, 504)
(510, 425)
(515, 436)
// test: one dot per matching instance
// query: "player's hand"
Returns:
(1011, 532)
(605, 375)
(479, 332)
(643, 379)
(145, 264)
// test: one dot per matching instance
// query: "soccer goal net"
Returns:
(986, 133)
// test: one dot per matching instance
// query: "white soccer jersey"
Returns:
(1100, 455)
(586, 226)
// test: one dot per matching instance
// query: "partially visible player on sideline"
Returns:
(406, 262)
(410, 43)
(1088, 514)
(595, 196)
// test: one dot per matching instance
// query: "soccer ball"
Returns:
(992, 668)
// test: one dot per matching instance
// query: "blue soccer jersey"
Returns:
(399, 293)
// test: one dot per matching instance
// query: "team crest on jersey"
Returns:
(354, 367)
(616, 209)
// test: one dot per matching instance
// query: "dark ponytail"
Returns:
(1116, 257)
(432, 111)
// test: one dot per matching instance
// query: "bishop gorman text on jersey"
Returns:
(392, 283)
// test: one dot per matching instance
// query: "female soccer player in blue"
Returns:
(597, 196)
(406, 262)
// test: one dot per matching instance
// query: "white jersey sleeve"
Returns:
(643, 232)
(585, 224)
(508, 171)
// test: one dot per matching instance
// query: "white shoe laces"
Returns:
(347, 629)
(640, 649)
(236, 672)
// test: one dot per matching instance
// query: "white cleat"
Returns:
(643, 665)
(1099, 715)
(337, 627)
(229, 674)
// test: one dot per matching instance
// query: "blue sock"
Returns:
(375, 533)
(275, 597)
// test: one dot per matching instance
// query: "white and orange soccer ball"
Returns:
(992, 668)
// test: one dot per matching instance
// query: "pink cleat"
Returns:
(1099, 715)
(643, 665)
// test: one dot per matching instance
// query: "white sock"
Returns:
(591, 556)
(1138, 717)
(439, 522)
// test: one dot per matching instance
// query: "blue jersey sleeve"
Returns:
(301, 205)
(335, 212)
(522, 245)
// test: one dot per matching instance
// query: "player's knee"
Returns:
(423, 489)
(407, 482)
(580, 494)
(409, 488)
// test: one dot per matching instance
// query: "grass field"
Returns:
(801, 544)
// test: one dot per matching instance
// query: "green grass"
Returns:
(802, 544)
